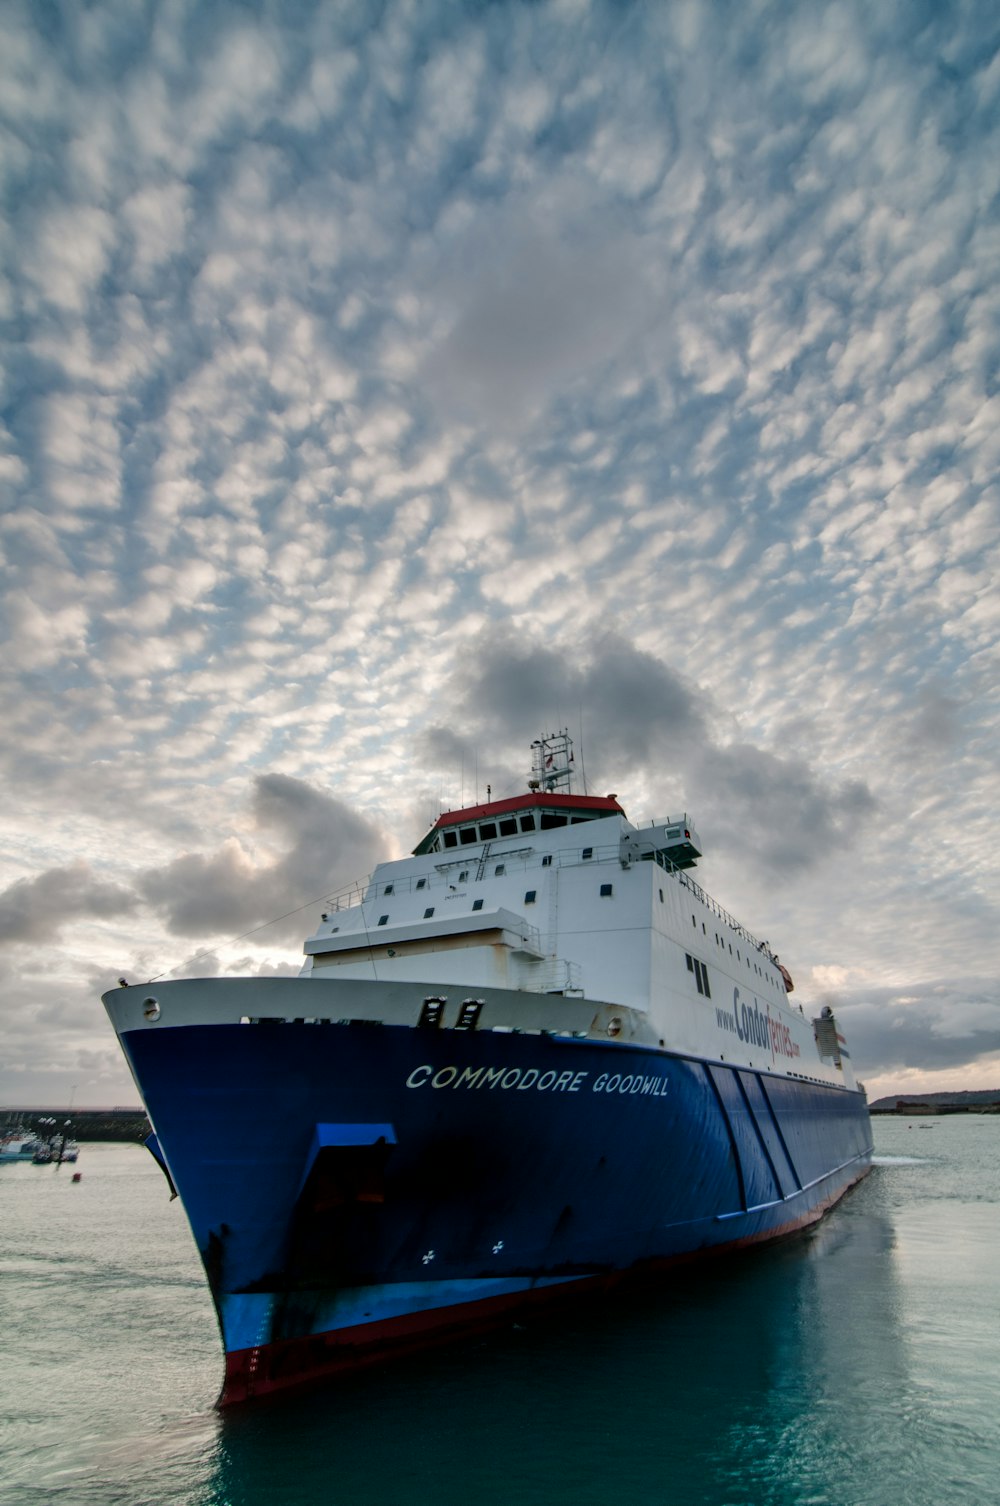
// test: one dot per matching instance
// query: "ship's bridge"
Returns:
(672, 843)
(549, 803)
(530, 812)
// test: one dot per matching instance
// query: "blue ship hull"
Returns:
(358, 1188)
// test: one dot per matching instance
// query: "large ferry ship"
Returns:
(531, 1058)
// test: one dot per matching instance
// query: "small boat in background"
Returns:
(18, 1147)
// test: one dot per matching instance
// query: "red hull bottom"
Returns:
(291, 1364)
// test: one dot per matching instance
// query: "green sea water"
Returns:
(858, 1364)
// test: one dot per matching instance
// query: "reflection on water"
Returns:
(858, 1364)
(797, 1375)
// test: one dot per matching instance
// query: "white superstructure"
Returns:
(598, 922)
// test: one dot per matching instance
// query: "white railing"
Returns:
(723, 914)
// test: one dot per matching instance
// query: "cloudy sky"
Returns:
(388, 383)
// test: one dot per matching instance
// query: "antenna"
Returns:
(552, 763)
(583, 765)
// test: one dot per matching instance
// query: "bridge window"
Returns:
(487, 830)
(508, 826)
(451, 839)
(527, 823)
(467, 835)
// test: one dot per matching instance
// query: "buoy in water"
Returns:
(77, 1175)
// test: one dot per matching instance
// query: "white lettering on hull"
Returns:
(523, 1079)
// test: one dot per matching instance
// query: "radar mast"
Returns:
(552, 763)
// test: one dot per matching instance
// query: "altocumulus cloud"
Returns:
(384, 385)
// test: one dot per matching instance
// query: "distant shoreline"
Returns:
(984, 1101)
(131, 1124)
(123, 1125)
